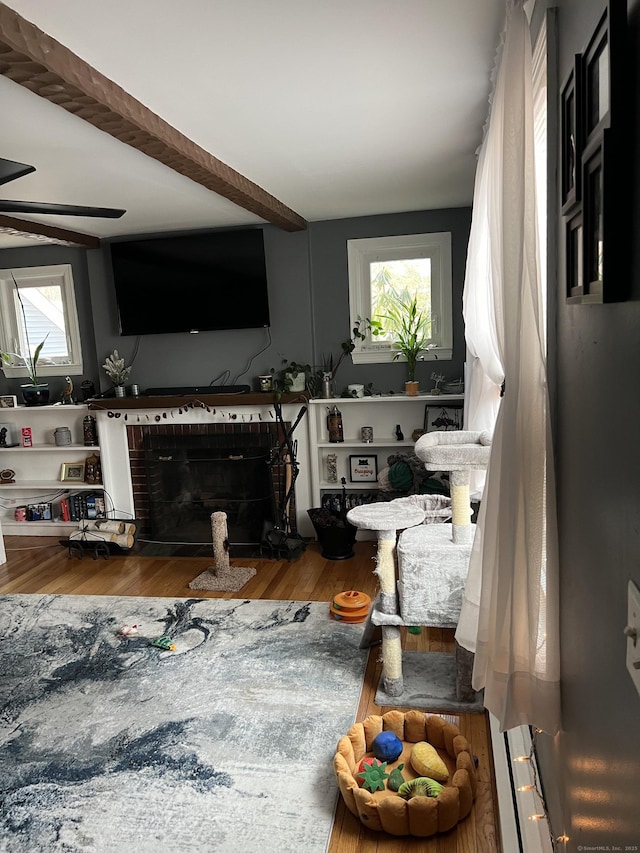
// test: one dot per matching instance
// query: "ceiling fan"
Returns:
(10, 170)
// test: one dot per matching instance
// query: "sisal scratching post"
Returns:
(386, 519)
(222, 576)
(386, 570)
(220, 537)
(461, 529)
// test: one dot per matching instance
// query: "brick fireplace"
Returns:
(123, 424)
(181, 473)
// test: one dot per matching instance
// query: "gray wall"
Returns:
(308, 296)
(590, 771)
(330, 290)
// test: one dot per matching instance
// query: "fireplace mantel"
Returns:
(114, 414)
(194, 400)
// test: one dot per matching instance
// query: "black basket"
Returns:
(336, 535)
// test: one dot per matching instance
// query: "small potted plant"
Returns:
(412, 330)
(437, 379)
(327, 375)
(35, 393)
(117, 372)
(291, 378)
(335, 533)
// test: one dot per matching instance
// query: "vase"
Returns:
(296, 382)
(327, 385)
(35, 395)
(119, 389)
(411, 388)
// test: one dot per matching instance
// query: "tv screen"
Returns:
(192, 282)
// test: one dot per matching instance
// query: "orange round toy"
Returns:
(351, 606)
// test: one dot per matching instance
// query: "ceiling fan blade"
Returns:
(11, 169)
(59, 209)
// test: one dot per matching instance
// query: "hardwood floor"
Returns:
(41, 565)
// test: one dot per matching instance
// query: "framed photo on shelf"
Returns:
(439, 418)
(72, 472)
(8, 401)
(363, 468)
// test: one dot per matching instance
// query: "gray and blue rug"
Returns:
(224, 744)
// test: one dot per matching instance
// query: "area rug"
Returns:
(429, 681)
(224, 743)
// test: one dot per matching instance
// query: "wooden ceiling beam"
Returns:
(41, 64)
(46, 233)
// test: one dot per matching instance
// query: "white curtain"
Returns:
(510, 613)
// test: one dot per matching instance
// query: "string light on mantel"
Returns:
(533, 787)
(243, 417)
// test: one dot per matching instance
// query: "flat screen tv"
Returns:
(191, 282)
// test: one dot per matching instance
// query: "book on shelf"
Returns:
(81, 505)
(64, 510)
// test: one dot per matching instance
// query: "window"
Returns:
(411, 265)
(39, 303)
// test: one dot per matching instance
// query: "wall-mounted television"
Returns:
(192, 282)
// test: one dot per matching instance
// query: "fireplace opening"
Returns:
(189, 477)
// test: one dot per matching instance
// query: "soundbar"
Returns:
(197, 389)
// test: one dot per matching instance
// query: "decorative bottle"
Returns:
(332, 468)
(89, 431)
(334, 424)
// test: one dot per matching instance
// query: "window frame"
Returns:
(362, 252)
(56, 274)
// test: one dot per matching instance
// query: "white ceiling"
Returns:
(338, 108)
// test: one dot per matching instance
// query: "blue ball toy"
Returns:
(386, 746)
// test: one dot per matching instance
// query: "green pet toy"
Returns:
(395, 778)
(374, 776)
(163, 643)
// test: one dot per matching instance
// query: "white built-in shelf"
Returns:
(350, 487)
(362, 447)
(385, 399)
(38, 528)
(383, 413)
(52, 448)
(37, 468)
(52, 485)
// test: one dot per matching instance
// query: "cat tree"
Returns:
(422, 575)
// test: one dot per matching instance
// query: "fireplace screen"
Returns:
(188, 480)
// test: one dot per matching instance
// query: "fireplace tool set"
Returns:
(278, 539)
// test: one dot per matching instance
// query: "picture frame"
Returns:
(597, 74)
(595, 234)
(593, 223)
(574, 256)
(8, 401)
(442, 418)
(72, 472)
(6, 436)
(363, 468)
(571, 130)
